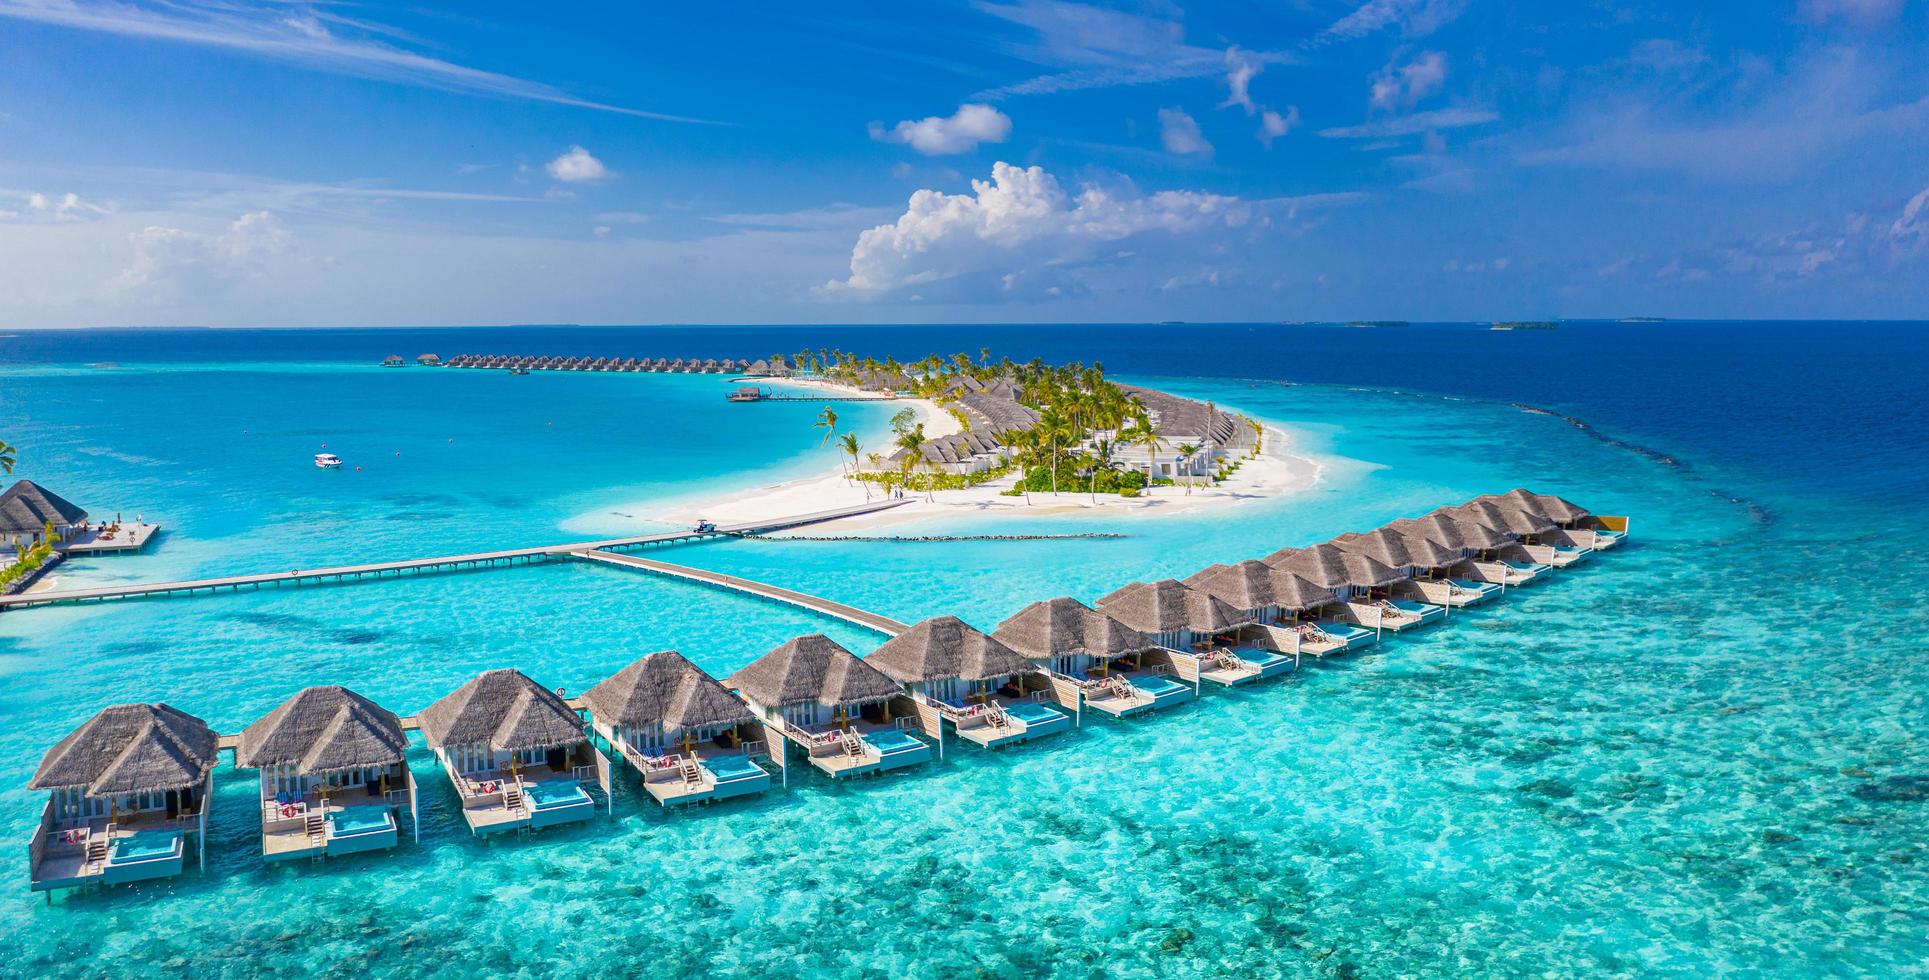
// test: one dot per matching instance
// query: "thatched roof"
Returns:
(1455, 531)
(503, 709)
(1168, 605)
(1555, 509)
(322, 730)
(27, 508)
(1064, 625)
(665, 688)
(1329, 566)
(1511, 518)
(1425, 551)
(1387, 549)
(945, 647)
(131, 748)
(813, 668)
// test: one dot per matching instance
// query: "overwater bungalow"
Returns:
(28, 509)
(1112, 667)
(989, 693)
(516, 753)
(1436, 580)
(1522, 525)
(1571, 539)
(1414, 561)
(333, 777)
(393, 360)
(848, 717)
(1480, 545)
(691, 739)
(1283, 607)
(128, 796)
(1356, 578)
(1196, 629)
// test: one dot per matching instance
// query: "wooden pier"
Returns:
(836, 610)
(446, 563)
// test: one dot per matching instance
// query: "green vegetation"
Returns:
(8, 455)
(30, 562)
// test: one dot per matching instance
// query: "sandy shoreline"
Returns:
(1275, 472)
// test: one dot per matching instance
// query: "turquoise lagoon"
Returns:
(1702, 753)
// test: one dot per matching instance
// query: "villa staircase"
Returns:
(512, 796)
(691, 772)
(315, 825)
(853, 746)
(97, 850)
(1120, 688)
(995, 716)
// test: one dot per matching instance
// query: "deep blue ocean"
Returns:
(1706, 753)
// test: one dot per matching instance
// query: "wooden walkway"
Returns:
(836, 610)
(447, 563)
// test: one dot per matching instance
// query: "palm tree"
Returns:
(826, 420)
(912, 442)
(1104, 460)
(849, 443)
(1144, 436)
(7, 456)
(1186, 450)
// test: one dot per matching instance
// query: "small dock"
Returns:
(445, 563)
(120, 539)
(836, 610)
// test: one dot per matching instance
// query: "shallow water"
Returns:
(1703, 753)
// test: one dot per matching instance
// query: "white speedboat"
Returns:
(328, 461)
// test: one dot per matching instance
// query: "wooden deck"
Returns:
(816, 604)
(393, 569)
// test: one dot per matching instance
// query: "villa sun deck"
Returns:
(134, 847)
(1127, 690)
(705, 774)
(1235, 663)
(348, 821)
(536, 796)
(861, 747)
(1456, 593)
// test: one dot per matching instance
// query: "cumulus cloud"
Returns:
(1273, 125)
(960, 132)
(36, 207)
(172, 262)
(577, 166)
(1240, 73)
(1404, 86)
(1022, 234)
(1180, 134)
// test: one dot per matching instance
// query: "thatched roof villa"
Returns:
(821, 697)
(333, 777)
(516, 753)
(991, 694)
(691, 739)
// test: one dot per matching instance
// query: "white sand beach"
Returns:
(1276, 471)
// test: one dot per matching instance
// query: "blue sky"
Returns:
(226, 163)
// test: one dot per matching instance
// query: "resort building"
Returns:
(1180, 422)
(1283, 607)
(848, 718)
(1193, 628)
(516, 753)
(1479, 545)
(1519, 525)
(1566, 541)
(28, 509)
(1112, 667)
(128, 795)
(989, 693)
(1400, 606)
(691, 739)
(1355, 578)
(333, 777)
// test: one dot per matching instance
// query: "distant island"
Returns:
(1526, 325)
(1644, 319)
(1376, 323)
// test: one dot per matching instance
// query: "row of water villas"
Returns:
(679, 365)
(129, 791)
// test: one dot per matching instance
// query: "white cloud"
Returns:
(35, 206)
(577, 166)
(1180, 134)
(1860, 13)
(1911, 229)
(1094, 47)
(1272, 125)
(1412, 17)
(960, 132)
(171, 263)
(1403, 87)
(1419, 122)
(1021, 233)
(620, 217)
(306, 40)
(1239, 79)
